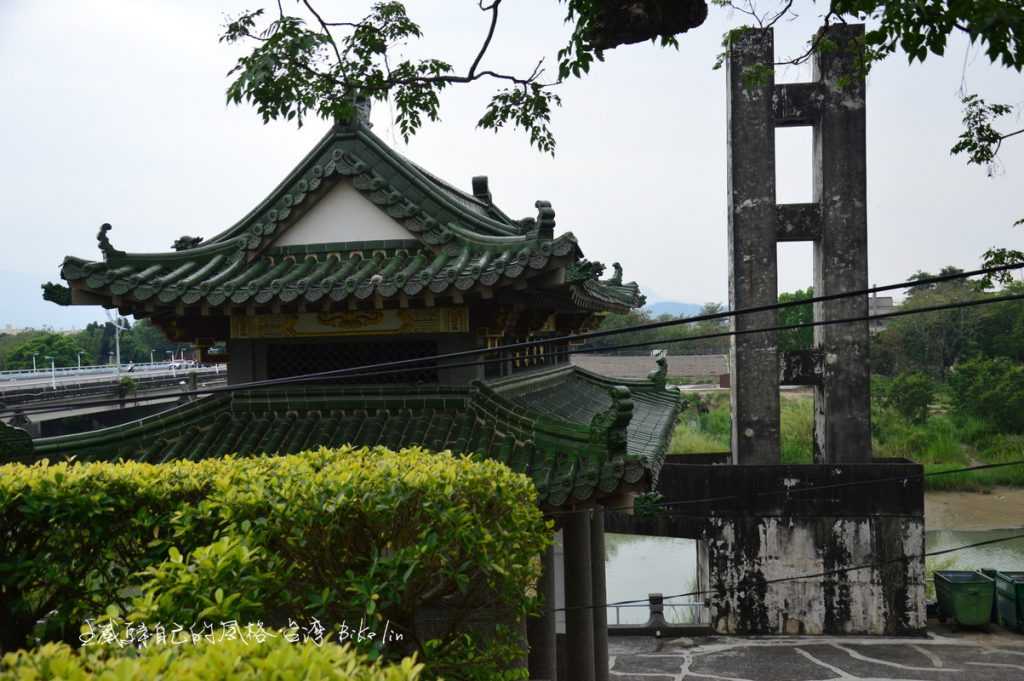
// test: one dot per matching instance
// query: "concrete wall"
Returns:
(806, 526)
(745, 554)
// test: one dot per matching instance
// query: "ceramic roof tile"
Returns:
(573, 453)
(461, 242)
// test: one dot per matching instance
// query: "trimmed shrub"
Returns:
(345, 537)
(273, 659)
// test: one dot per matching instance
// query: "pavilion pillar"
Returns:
(579, 598)
(597, 565)
(540, 631)
(753, 278)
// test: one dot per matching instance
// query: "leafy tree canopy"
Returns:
(796, 339)
(63, 348)
(305, 63)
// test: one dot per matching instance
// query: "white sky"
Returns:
(114, 111)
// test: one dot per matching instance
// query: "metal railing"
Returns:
(13, 391)
(94, 369)
(682, 613)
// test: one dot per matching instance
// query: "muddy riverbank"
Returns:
(1002, 507)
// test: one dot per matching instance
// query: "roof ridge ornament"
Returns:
(583, 270)
(106, 247)
(659, 376)
(609, 427)
(358, 115)
(56, 293)
(545, 220)
(186, 242)
(616, 279)
(481, 190)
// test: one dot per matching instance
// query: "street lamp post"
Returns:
(171, 362)
(53, 372)
(119, 326)
(151, 356)
(80, 353)
(34, 361)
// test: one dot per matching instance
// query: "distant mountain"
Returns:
(673, 308)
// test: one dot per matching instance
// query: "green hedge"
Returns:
(272, 660)
(390, 538)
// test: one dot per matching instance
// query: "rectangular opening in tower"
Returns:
(794, 170)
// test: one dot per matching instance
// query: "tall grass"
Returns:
(941, 443)
(688, 438)
(796, 430)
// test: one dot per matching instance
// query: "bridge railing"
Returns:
(42, 371)
(659, 614)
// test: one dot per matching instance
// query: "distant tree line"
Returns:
(95, 343)
(675, 338)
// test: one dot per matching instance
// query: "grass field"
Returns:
(940, 443)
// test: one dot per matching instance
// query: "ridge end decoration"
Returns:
(106, 247)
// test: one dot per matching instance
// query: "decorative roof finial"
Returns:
(185, 242)
(104, 241)
(480, 189)
(356, 114)
(659, 375)
(363, 106)
(545, 220)
(616, 279)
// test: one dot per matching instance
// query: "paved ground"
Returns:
(995, 656)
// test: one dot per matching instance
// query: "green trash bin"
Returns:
(964, 596)
(1010, 598)
(991, 574)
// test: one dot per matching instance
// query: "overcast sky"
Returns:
(114, 111)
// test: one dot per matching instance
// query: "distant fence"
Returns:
(639, 367)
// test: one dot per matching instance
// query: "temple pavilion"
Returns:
(361, 256)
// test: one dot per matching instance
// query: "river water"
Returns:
(637, 565)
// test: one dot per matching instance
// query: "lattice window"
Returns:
(285, 360)
(545, 354)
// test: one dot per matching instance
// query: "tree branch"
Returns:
(1011, 134)
(490, 34)
(327, 31)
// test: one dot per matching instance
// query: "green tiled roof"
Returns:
(616, 440)
(461, 243)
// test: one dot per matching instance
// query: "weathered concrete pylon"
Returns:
(836, 222)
